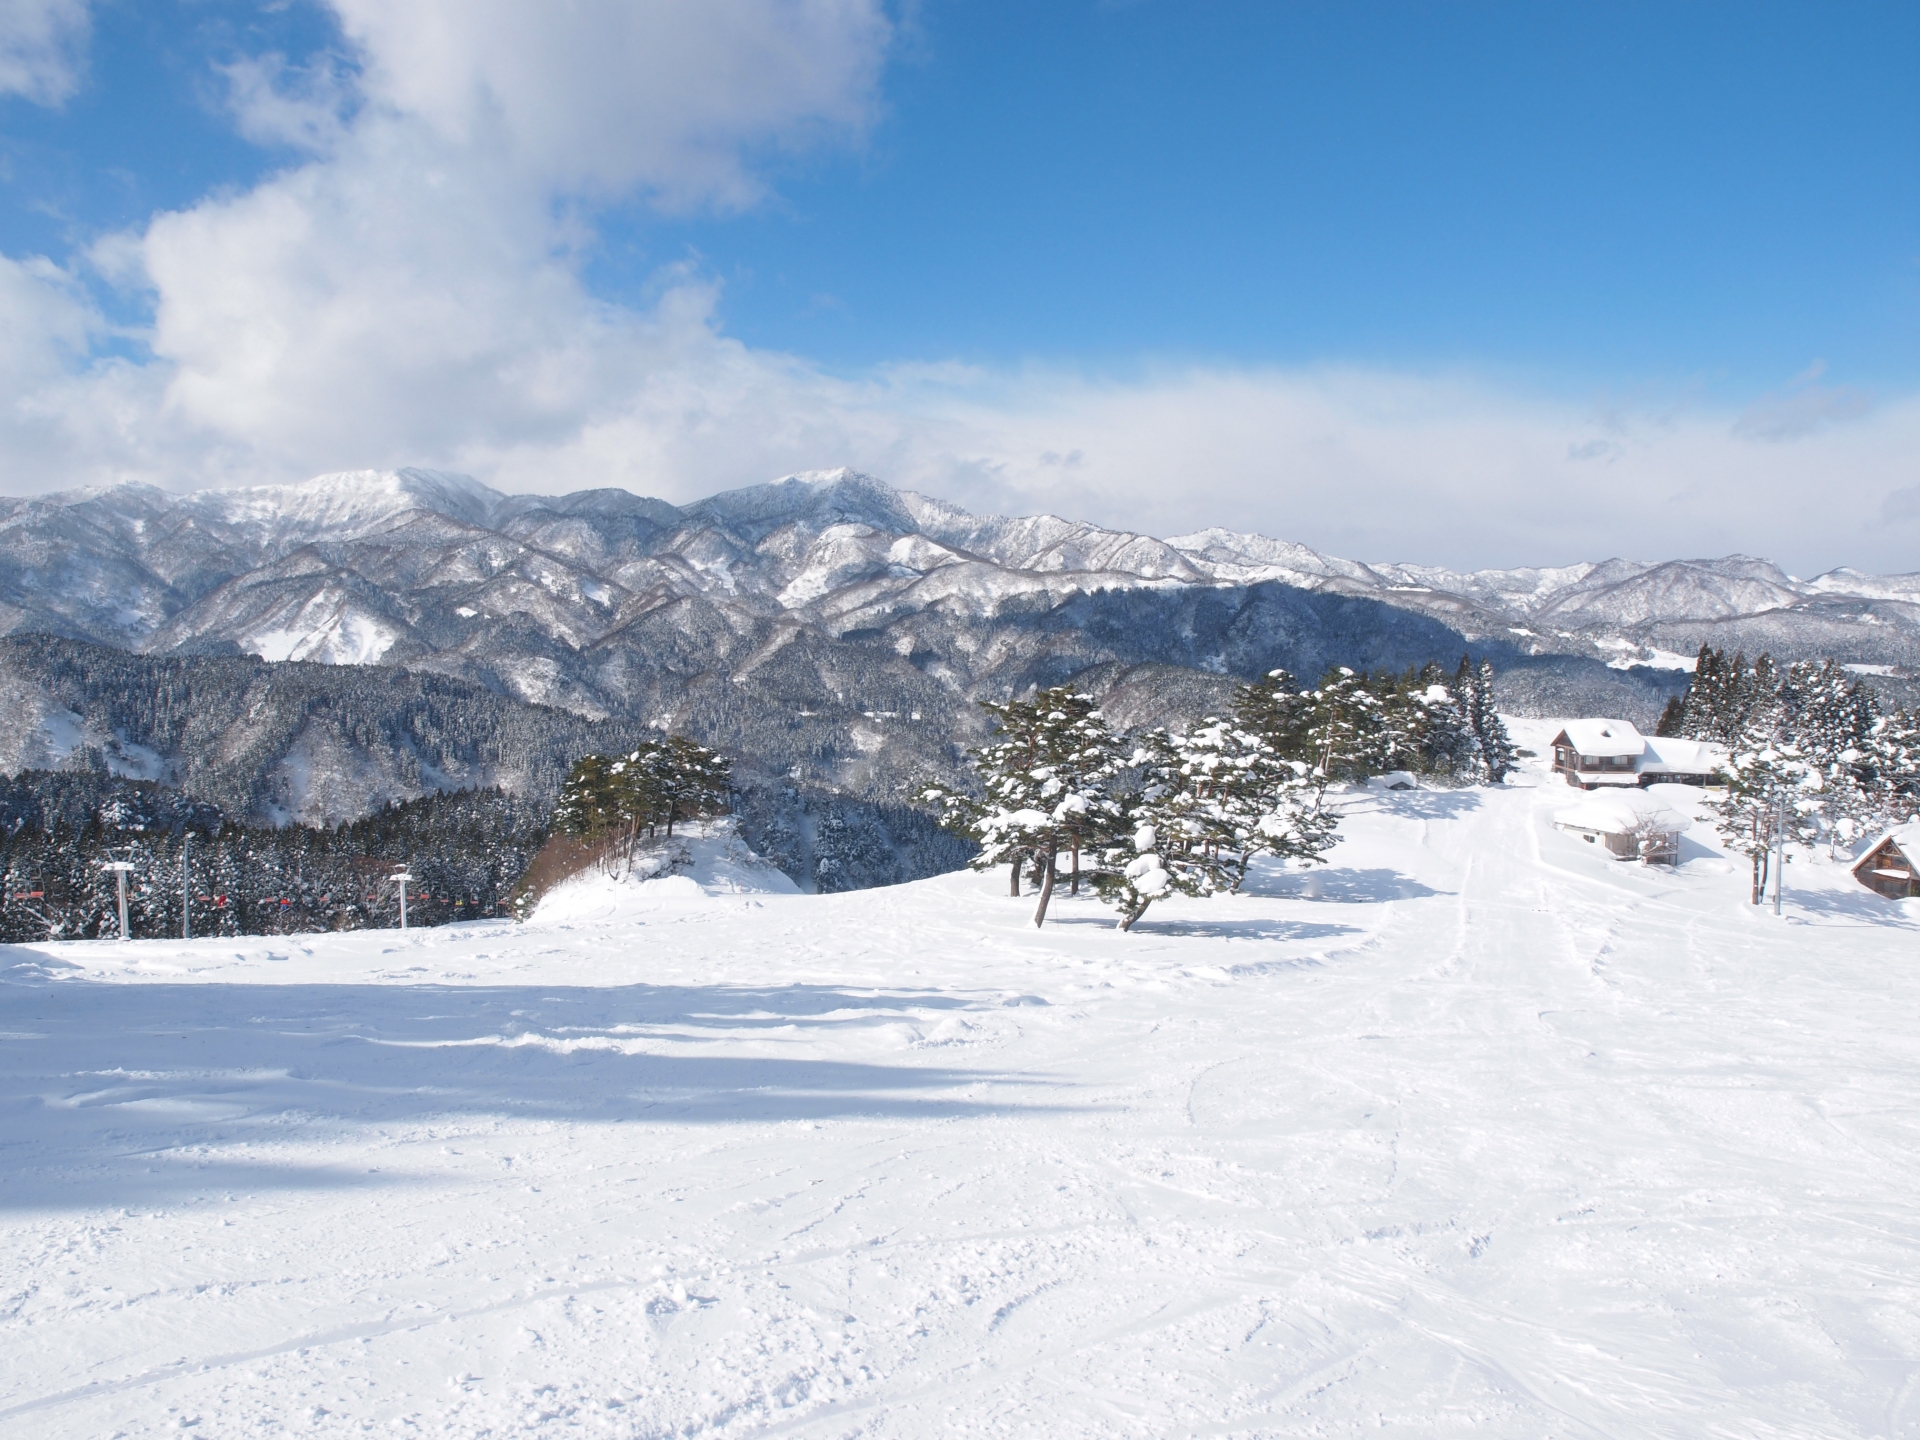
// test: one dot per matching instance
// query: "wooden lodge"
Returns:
(1887, 867)
(1596, 753)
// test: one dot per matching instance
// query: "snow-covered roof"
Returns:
(1616, 812)
(1907, 837)
(1684, 757)
(1604, 737)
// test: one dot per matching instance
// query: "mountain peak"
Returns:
(824, 497)
(349, 501)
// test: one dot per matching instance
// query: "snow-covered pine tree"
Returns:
(1701, 705)
(1725, 696)
(1077, 756)
(1892, 770)
(1829, 717)
(655, 784)
(1007, 818)
(1447, 745)
(637, 785)
(1246, 801)
(1402, 721)
(1764, 790)
(1045, 786)
(1347, 735)
(1766, 779)
(1159, 847)
(1276, 709)
(1489, 730)
(698, 781)
(590, 805)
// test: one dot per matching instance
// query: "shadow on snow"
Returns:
(1339, 885)
(1157, 922)
(114, 1094)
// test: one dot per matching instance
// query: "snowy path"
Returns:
(1496, 1137)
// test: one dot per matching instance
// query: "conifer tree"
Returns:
(696, 782)
(1892, 769)
(1159, 848)
(1828, 716)
(1489, 730)
(1241, 800)
(590, 805)
(1765, 790)
(1279, 712)
(1347, 735)
(1045, 779)
(1447, 744)
(1004, 819)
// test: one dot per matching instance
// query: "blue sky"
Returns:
(1161, 265)
(1601, 192)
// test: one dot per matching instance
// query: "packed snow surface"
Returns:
(1479, 1132)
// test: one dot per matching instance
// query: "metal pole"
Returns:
(403, 877)
(186, 888)
(1779, 852)
(120, 869)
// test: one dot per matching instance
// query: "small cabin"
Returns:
(1887, 867)
(1631, 826)
(1596, 753)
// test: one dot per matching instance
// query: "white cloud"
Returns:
(1801, 407)
(599, 97)
(410, 294)
(41, 43)
(274, 103)
(1368, 464)
(413, 288)
(46, 323)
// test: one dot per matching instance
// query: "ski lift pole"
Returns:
(403, 878)
(186, 887)
(120, 869)
(1779, 852)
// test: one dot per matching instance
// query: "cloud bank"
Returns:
(409, 291)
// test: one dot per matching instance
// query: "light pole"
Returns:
(403, 877)
(120, 869)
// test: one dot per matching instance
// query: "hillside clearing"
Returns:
(1477, 1131)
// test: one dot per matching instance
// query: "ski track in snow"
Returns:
(1497, 1137)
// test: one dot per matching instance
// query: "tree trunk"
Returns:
(1046, 889)
(1126, 921)
(1013, 880)
(1074, 889)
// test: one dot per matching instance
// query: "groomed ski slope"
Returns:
(1494, 1137)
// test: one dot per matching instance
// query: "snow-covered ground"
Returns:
(1482, 1132)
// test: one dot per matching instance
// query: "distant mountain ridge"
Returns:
(828, 628)
(345, 568)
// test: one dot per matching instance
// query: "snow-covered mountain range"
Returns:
(826, 628)
(407, 566)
